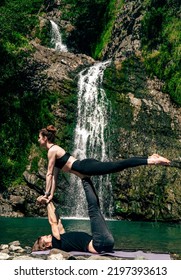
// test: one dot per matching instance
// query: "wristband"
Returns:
(47, 193)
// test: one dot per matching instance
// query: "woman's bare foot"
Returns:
(156, 159)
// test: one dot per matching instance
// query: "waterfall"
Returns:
(91, 133)
(56, 38)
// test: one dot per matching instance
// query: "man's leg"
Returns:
(102, 238)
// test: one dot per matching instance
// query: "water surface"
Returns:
(146, 236)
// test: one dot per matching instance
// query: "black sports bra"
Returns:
(60, 162)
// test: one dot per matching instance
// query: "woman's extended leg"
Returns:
(102, 238)
(94, 167)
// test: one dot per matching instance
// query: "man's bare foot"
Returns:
(156, 159)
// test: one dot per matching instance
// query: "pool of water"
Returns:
(128, 235)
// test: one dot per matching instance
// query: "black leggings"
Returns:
(94, 167)
(103, 240)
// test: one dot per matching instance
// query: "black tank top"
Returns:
(60, 162)
(72, 241)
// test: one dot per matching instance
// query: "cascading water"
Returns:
(56, 38)
(90, 136)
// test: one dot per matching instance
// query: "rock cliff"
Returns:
(144, 120)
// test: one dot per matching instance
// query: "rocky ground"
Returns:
(14, 251)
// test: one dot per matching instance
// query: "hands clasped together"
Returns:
(42, 199)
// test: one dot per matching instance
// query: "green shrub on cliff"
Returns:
(161, 41)
(113, 9)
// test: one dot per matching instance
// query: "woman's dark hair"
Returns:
(49, 132)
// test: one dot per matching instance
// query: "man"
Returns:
(101, 239)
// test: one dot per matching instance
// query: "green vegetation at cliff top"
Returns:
(161, 42)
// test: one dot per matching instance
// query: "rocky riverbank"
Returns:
(14, 251)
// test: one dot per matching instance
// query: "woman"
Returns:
(101, 239)
(58, 159)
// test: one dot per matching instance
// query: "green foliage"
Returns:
(23, 118)
(116, 84)
(44, 34)
(18, 18)
(65, 133)
(88, 19)
(161, 42)
(22, 111)
(34, 164)
(113, 9)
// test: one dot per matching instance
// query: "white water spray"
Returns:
(56, 38)
(91, 133)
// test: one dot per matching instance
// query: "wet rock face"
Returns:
(125, 39)
(52, 69)
(20, 201)
(144, 121)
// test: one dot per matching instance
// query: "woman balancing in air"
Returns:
(59, 159)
